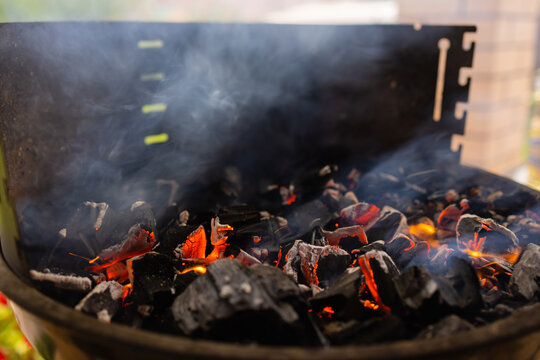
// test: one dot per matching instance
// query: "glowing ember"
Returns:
(198, 269)
(327, 312)
(118, 272)
(218, 238)
(412, 244)
(361, 214)
(370, 305)
(328, 309)
(127, 291)
(363, 262)
(334, 237)
(138, 242)
(195, 245)
(287, 195)
(425, 232)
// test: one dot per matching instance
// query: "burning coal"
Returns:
(324, 270)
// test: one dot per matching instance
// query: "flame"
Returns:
(474, 244)
(127, 291)
(256, 239)
(483, 264)
(198, 269)
(425, 232)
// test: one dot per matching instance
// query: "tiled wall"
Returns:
(502, 74)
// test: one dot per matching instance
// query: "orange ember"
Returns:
(198, 269)
(363, 261)
(425, 232)
(127, 291)
(256, 239)
(118, 272)
(143, 243)
(361, 213)
(328, 309)
(356, 231)
(412, 244)
(370, 305)
(291, 199)
(326, 312)
(90, 261)
(195, 245)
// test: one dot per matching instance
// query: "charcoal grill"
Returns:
(90, 107)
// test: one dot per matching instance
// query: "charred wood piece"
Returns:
(315, 265)
(151, 274)
(363, 214)
(419, 293)
(390, 223)
(485, 235)
(231, 300)
(525, 280)
(67, 282)
(348, 238)
(458, 285)
(103, 301)
(447, 326)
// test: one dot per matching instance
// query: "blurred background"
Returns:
(502, 133)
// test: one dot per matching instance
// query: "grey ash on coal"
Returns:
(330, 258)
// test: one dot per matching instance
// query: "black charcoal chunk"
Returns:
(302, 218)
(499, 311)
(315, 265)
(459, 286)
(525, 228)
(376, 245)
(347, 200)
(239, 215)
(419, 292)
(152, 274)
(384, 272)
(342, 293)
(176, 233)
(449, 325)
(391, 223)
(348, 238)
(362, 213)
(525, 280)
(498, 239)
(141, 213)
(103, 301)
(235, 302)
(373, 330)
